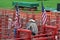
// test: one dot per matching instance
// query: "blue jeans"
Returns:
(15, 32)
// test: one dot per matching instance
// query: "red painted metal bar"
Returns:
(23, 34)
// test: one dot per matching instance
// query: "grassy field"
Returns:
(49, 3)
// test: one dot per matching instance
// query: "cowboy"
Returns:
(31, 25)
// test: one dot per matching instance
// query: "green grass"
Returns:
(49, 3)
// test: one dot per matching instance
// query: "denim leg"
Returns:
(15, 32)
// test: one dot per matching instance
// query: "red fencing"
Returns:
(26, 16)
(23, 34)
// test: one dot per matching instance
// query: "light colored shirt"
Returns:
(9, 25)
(32, 26)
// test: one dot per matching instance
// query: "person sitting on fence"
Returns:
(31, 25)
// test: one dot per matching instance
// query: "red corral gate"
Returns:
(53, 20)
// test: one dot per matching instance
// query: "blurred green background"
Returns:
(47, 3)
